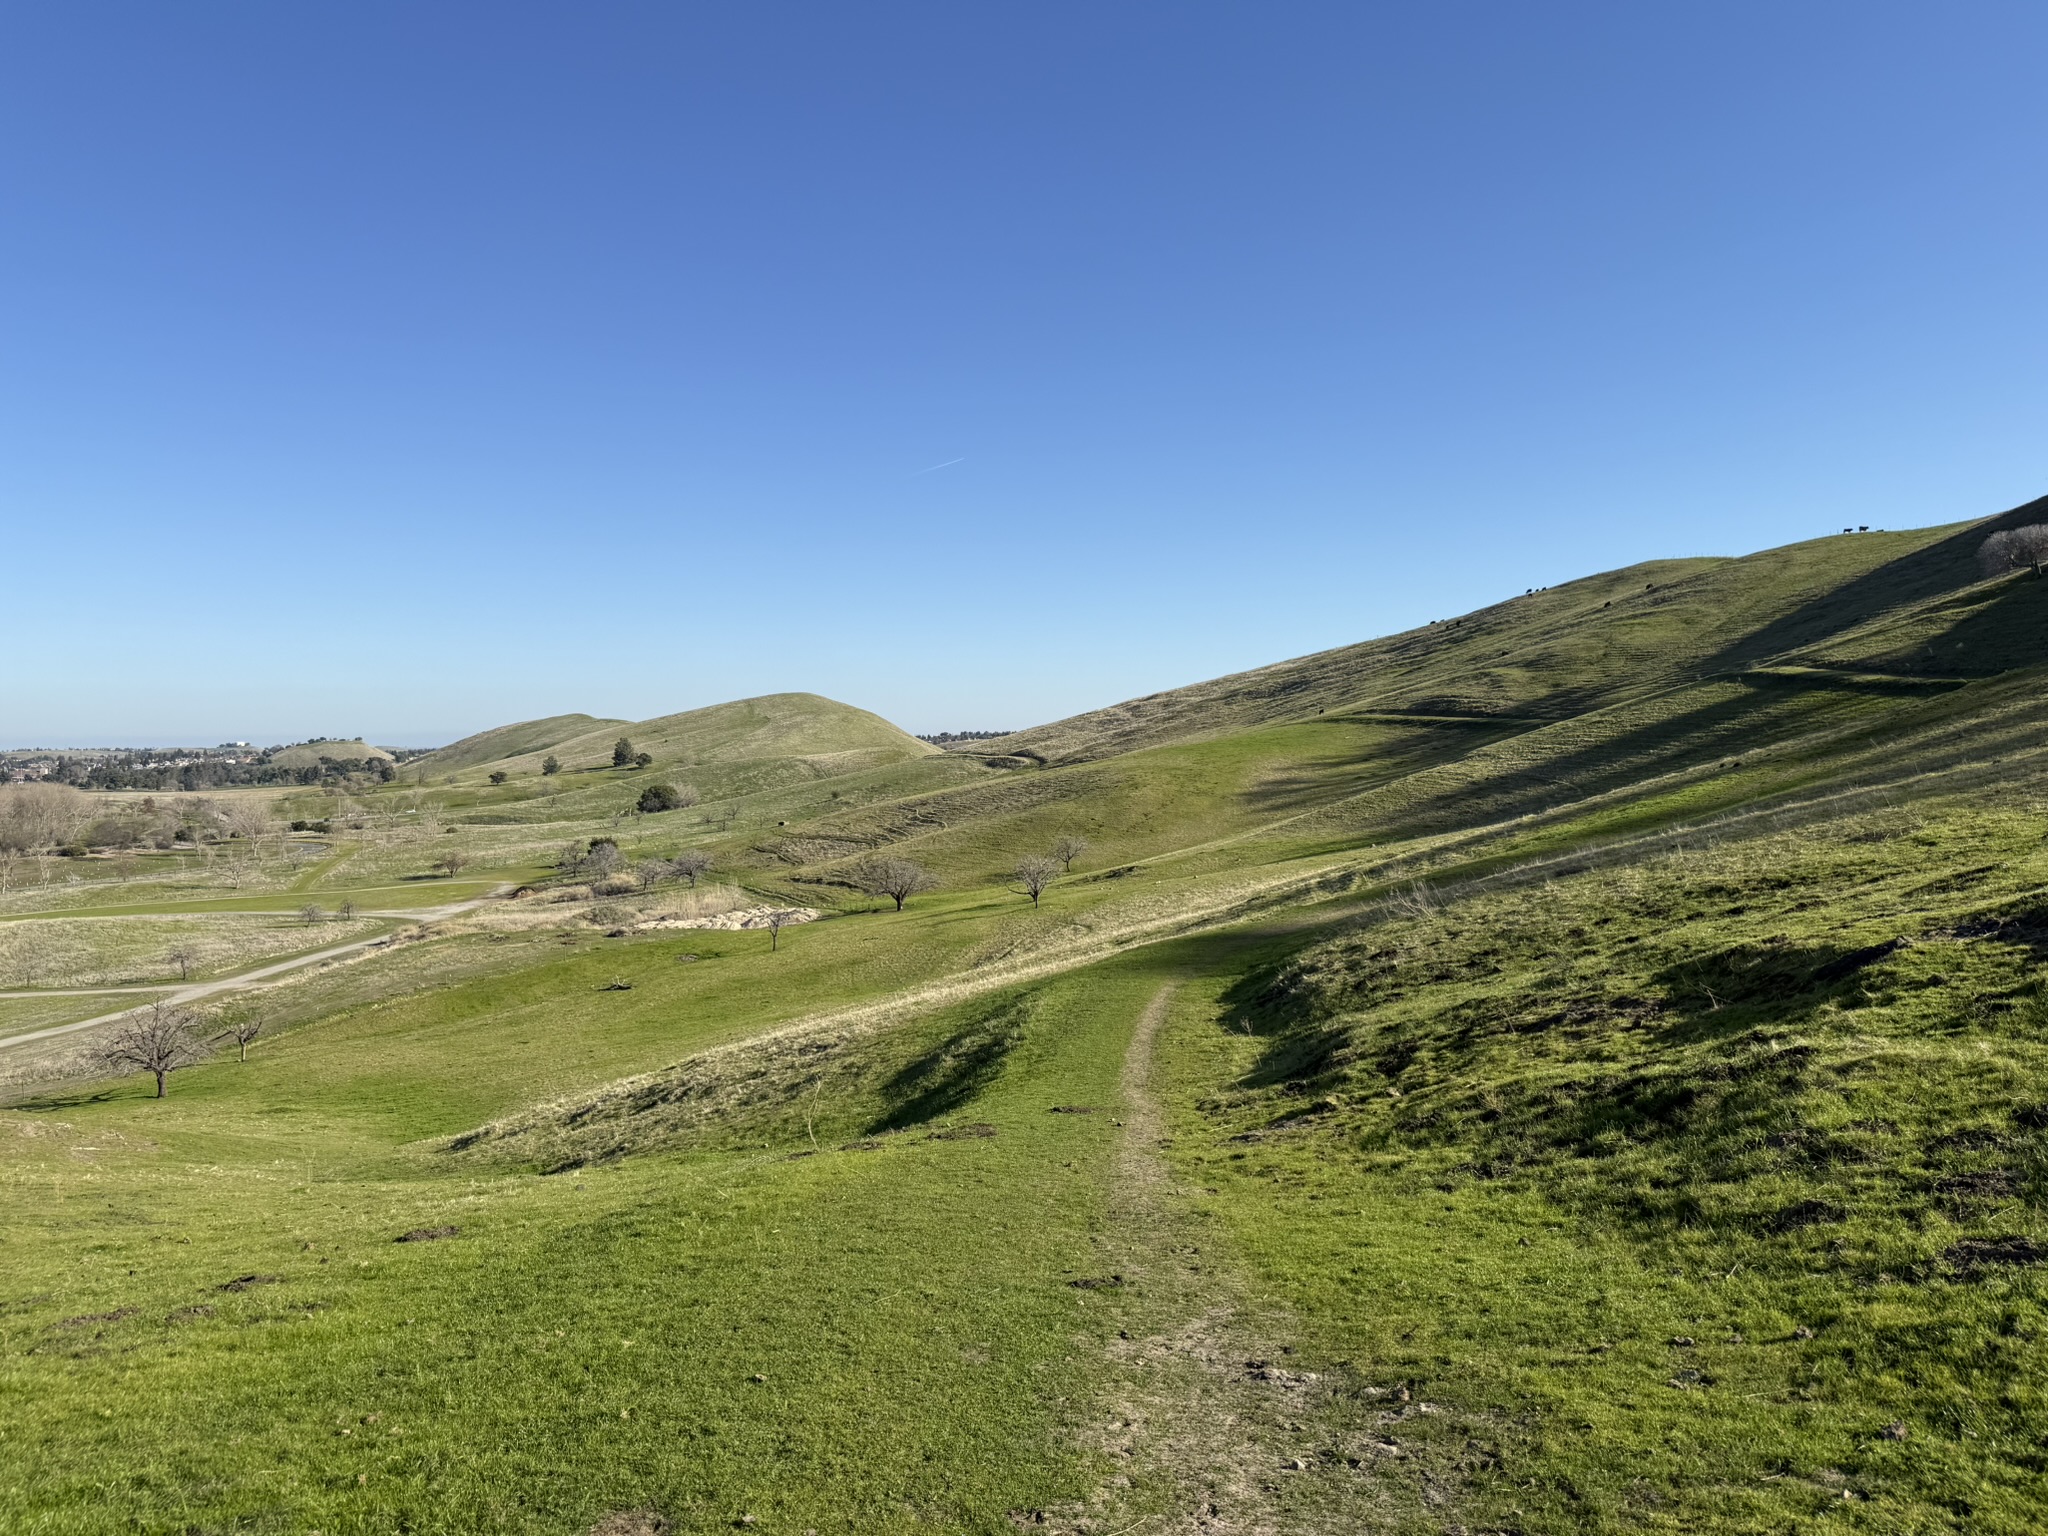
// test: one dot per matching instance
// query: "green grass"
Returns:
(1635, 1073)
(1512, 1148)
(583, 1344)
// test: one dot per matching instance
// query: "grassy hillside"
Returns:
(1570, 648)
(1572, 1068)
(511, 741)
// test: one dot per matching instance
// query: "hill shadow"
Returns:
(1925, 573)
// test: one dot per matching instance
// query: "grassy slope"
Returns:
(511, 741)
(1551, 728)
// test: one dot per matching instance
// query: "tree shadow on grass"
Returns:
(1728, 991)
(45, 1103)
(955, 1072)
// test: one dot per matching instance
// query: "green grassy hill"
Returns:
(1573, 1068)
(1574, 647)
(511, 741)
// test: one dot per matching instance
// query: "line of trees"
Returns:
(45, 817)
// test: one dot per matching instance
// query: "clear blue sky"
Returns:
(410, 368)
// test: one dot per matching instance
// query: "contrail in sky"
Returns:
(930, 467)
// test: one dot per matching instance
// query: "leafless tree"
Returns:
(2015, 549)
(775, 921)
(602, 859)
(687, 796)
(348, 910)
(651, 872)
(1068, 849)
(898, 879)
(242, 1028)
(36, 816)
(184, 957)
(691, 863)
(158, 1040)
(1035, 874)
(247, 818)
(310, 914)
(452, 862)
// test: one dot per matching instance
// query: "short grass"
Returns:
(1704, 1193)
(1679, 1159)
(872, 1339)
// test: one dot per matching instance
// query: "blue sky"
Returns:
(407, 369)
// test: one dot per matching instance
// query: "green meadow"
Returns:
(1577, 1067)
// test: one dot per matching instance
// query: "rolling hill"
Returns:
(517, 740)
(1577, 1067)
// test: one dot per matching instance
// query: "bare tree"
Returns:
(247, 818)
(1035, 874)
(1068, 849)
(310, 914)
(158, 1040)
(242, 1028)
(348, 910)
(899, 879)
(775, 921)
(184, 957)
(651, 872)
(687, 796)
(36, 816)
(452, 862)
(691, 863)
(603, 858)
(2015, 549)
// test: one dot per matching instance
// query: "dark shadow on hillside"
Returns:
(1724, 993)
(1321, 780)
(956, 1072)
(1724, 728)
(1262, 1005)
(1996, 631)
(1925, 573)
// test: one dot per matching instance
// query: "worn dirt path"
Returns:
(1212, 1414)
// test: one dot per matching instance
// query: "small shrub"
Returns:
(659, 797)
(498, 777)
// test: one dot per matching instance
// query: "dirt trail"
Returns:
(180, 993)
(1219, 1429)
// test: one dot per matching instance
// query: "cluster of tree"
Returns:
(1038, 871)
(600, 859)
(623, 755)
(45, 817)
(900, 879)
(2015, 549)
(145, 770)
(941, 738)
